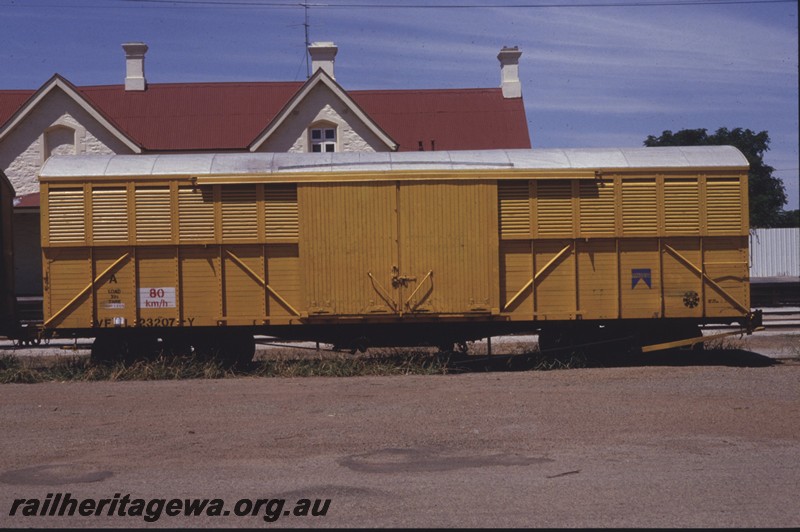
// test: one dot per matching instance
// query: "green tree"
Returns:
(767, 193)
(789, 219)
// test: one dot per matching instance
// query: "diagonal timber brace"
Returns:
(707, 279)
(408, 301)
(382, 292)
(88, 287)
(262, 282)
(536, 277)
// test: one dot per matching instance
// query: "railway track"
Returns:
(774, 318)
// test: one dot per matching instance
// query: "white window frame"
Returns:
(322, 139)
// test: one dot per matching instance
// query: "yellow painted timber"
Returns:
(408, 304)
(682, 285)
(555, 288)
(201, 285)
(598, 282)
(382, 292)
(115, 294)
(86, 289)
(708, 280)
(243, 289)
(448, 227)
(516, 267)
(537, 276)
(347, 231)
(263, 283)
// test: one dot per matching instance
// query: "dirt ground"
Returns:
(707, 443)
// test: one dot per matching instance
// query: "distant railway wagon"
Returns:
(9, 325)
(368, 249)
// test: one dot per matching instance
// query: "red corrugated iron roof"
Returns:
(11, 101)
(192, 116)
(229, 116)
(448, 119)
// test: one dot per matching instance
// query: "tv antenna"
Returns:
(306, 26)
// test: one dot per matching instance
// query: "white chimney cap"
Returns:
(323, 55)
(509, 72)
(134, 66)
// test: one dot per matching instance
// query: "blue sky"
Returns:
(592, 76)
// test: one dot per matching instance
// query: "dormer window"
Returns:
(323, 139)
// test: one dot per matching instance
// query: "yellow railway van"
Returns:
(415, 248)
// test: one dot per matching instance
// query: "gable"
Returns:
(322, 100)
(320, 107)
(53, 121)
(59, 85)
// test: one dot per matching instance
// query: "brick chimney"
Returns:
(323, 55)
(134, 66)
(509, 72)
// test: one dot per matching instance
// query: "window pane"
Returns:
(316, 134)
(330, 147)
(316, 148)
(330, 134)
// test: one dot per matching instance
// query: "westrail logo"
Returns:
(641, 274)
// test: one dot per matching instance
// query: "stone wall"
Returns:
(44, 131)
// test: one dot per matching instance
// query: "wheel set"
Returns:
(232, 347)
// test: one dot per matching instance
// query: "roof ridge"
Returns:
(452, 89)
(194, 84)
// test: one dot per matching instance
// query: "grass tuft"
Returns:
(378, 362)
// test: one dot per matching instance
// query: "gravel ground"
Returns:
(706, 443)
(691, 446)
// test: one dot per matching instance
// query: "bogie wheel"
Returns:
(240, 349)
(104, 349)
(178, 345)
(445, 347)
(556, 339)
(125, 348)
(360, 345)
(232, 347)
(575, 343)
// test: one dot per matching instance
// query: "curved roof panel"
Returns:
(278, 163)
